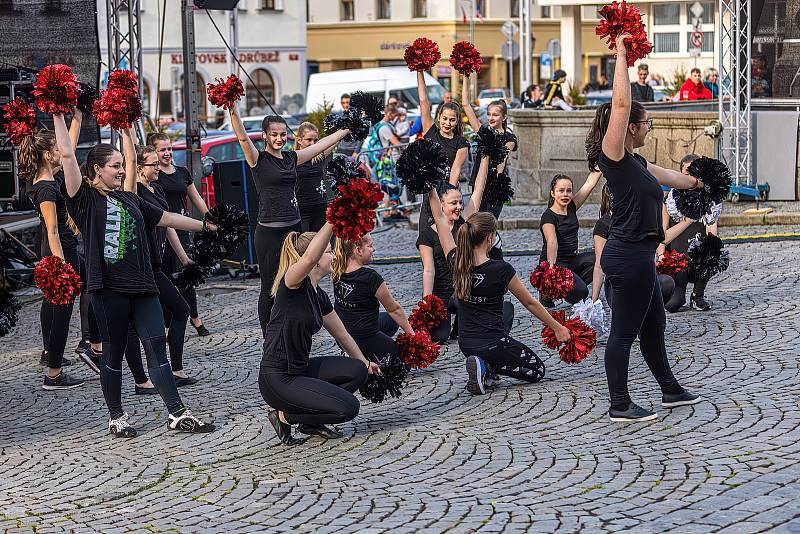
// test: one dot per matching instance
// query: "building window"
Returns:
(420, 8)
(708, 42)
(146, 98)
(514, 9)
(546, 13)
(708, 12)
(384, 9)
(165, 102)
(348, 12)
(667, 42)
(272, 5)
(590, 12)
(666, 14)
(480, 9)
(263, 81)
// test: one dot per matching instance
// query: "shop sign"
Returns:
(204, 58)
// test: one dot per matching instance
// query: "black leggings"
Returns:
(508, 357)
(176, 313)
(441, 333)
(55, 319)
(665, 284)
(323, 394)
(678, 298)
(268, 241)
(636, 310)
(115, 311)
(381, 343)
(582, 267)
(312, 218)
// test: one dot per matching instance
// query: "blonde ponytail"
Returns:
(342, 251)
(294, 246)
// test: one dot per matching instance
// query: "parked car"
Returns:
(487, 96)
(253, 123)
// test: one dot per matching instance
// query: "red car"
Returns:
(219, 148)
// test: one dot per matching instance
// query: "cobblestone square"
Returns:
(524, 458)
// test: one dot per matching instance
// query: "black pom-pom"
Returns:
(233, 227)
(691, 203)
(498, 189)
(706, 256)
(86, 98)
(389, 383)
(350, 119)
(422, 166)
(715, 175)
(192, 275)
(341, 170)
(491, 144)
(370, 105)
(206, 245)
(9, 306)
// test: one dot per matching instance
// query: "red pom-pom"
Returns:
(56, 89)
(20, 120)
(59, 282)
(617, 19)
(117, 108)
(225, 93)
(429, 313)
(123, 79)
(554, 283)
(422, 55)
(465, 58)
(672, 263)
(582, 341)
(352, 214)
(417, 350)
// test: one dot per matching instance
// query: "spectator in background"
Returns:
(602, 82)
(656, 80)
(554, 96)
(711, 81)
(448, 97)
(640, 90)
(759, 84)
(345, 102)
(392, 101)
(401, 125)
(693, 88)
(533, 98)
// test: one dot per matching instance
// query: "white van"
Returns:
(382, 82)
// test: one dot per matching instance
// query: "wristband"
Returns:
(205, 225)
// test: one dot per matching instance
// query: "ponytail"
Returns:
(294, 246)
(342, 250)
(594, 139)
(605, 200)
(30, 155)
(472, 233)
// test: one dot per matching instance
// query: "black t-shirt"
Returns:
(174, 186)
(450, 146)
(296, 316)
(275, 179)
(355, 301)
(50, 191)
(552, 91)
(681, 243)
(115, 229)
(480, 315)
(158, 235)
(311, 188)
(566, 233)
(637, 199)
(641, 93)
(603, 226)
(443, 277)
(508, 137)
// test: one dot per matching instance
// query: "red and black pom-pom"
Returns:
(422, 55)
(672, 263)
(123, 79)
(225, 93)
(352, 214)
(20, 120)
(552, 282)
(117, 108)
(617, 19)
(465, 58)
(56, 89)
(429, 313)
(59, 282)
(417, 350)
(389, 383)
(582, 341)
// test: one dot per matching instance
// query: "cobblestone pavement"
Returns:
(524, 458)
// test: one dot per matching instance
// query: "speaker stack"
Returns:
(233, 184)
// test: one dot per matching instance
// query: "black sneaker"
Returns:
(476, 372)
(90, 358)
(44, 361)
(186, 422)
(83, 345)
(680, 399)
(138, 390)
(699, 302)
(121, 428)
(181, 381)
(62, 381)
(634, 414)
(319, 430)
(201, 330)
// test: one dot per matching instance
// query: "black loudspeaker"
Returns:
(225, 5)
(9, 185)
(233, 184)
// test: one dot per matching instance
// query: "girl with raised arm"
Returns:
(275, 177)
(480, 284)
(311, 392)
(628, 257)
(120, 282)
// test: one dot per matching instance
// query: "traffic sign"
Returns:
(554, 48)
(697, 39)
(510, 53)
(697, 10)
(509, 29)
(545, 66)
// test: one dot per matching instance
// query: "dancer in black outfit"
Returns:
(480, 284)
(436, 275)
(358, 294)
(312, 190)
(275, 177)
(177, 184)
(559, 228)
(119, 276)
(628, 257)
(311, 392)
(173, 305)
